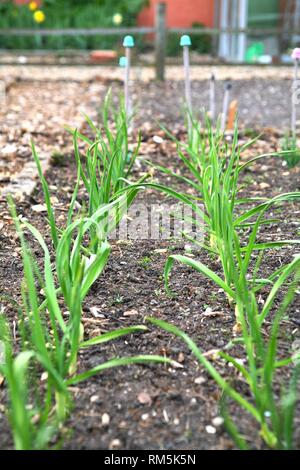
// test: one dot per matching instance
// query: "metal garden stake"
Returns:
(122, 64)
(212, 97)
(296, 58)
(128, 43)
(228, 87)
(185, 42)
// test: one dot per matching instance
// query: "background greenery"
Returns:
(201, 43)
(83, 14)
(67, 14)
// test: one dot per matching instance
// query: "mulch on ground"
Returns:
(153, 407)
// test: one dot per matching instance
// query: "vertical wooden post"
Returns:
(160, 40)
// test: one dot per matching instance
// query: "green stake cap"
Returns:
(185, 40)
(128, 41)
(123, 61)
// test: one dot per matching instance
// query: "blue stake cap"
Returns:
(123, 61)
(185, 40)
(128, 41)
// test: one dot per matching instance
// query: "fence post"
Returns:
(160, 40)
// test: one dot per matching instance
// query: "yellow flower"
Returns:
(32, 6)
(39, 16)
(117, 19)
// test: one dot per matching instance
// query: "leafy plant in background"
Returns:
(201, 43)
(68, 14)
(291, 150)
(274, 414)
(18, 16)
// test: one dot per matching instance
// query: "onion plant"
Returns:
(50, 338)
(109, 158)
(291, 151)
(30, 421)
(54, 338)
(273, 413)
(231, 226)
(237, 256)
(103, 170)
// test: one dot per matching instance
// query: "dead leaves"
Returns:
(131, 313)
(144, 398)
(39, 208)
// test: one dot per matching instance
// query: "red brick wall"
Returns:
(181, 13)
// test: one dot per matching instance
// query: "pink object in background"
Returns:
(296, 56)
(103, 56)
(296, 53)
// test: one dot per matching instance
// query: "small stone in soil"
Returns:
(94, 398)
(115, 444)
(130, 313)
(200, 380)
(218, 421)
(157, 139)
(39, 208)
(180, 357)
(210, 429)
(105, 419)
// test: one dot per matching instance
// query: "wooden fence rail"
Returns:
(75, 31)
(140, 30)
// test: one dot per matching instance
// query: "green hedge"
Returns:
(67, 14)
(201, 43)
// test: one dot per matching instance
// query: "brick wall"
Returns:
(181, 13)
